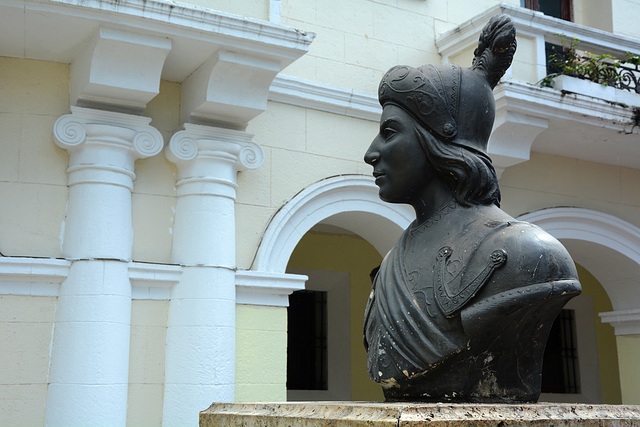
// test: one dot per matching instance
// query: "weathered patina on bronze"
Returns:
(461, 307)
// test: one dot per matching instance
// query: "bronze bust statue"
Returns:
(461, 307)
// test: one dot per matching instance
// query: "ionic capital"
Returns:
(103, 146)
(208, 158)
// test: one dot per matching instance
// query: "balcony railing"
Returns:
(570, 60)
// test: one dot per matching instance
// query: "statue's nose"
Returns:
(373, 154)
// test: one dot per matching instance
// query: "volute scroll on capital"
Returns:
(197, 141)
(119, 130)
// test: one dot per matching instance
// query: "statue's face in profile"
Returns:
(400, 165)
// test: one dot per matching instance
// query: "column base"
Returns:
(341, 414)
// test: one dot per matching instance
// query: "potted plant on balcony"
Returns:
(600, 76)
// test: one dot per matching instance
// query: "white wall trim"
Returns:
(43, 276)
(378, 222)
(275, 11)
(332, 99)
(32, 276)
(261, 288)
(625, 322)
(153, 281)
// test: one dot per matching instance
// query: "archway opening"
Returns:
(607, 252)
(338, 263)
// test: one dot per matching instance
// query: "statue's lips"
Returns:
(378, 176)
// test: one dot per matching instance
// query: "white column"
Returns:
(200, 353)
(88, 378)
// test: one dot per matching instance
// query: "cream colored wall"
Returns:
(33, 178)
(351, 254)
(605, 337)
(525, 61)
(551, 181)
(359, 40)
(625, 17)
(26, 326)
(154, 191)
(593, 13)
(628, 351)
(261, 353)
(146, 362)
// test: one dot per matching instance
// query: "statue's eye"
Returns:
(388, 132)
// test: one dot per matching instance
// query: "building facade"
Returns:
(172, 172)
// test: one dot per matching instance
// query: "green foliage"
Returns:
(570, 61)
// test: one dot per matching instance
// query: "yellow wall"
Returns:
(26, 326)
(33, 178)
(351, 254)
(628, 356)
(146, 362)
(261, 353)
(605, 337)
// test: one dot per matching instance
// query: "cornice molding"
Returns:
(196, 33)
(306, 94)
(43, 276)
(153, 281)
(265, 288)
(32, 276)
(625, 322)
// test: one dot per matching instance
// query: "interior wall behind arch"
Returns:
(354, 255)
(605, 337)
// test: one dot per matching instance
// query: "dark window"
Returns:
(307, 341)
(560, 366)
(557, 8)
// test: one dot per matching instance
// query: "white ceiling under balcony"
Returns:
(578, 126)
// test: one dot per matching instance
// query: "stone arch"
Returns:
(348, 201)
(606, 245)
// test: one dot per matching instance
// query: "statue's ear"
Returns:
(496, 48)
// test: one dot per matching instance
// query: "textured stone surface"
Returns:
(406, 414)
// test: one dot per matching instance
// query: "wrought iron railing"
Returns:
(604, 68)
(628, 78)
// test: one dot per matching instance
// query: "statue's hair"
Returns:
(496, 48)
(469, 173)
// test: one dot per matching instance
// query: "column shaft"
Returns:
(200, 353)
(89, 370)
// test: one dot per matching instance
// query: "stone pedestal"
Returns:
(339, 414)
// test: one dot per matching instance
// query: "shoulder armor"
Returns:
(510, 255)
